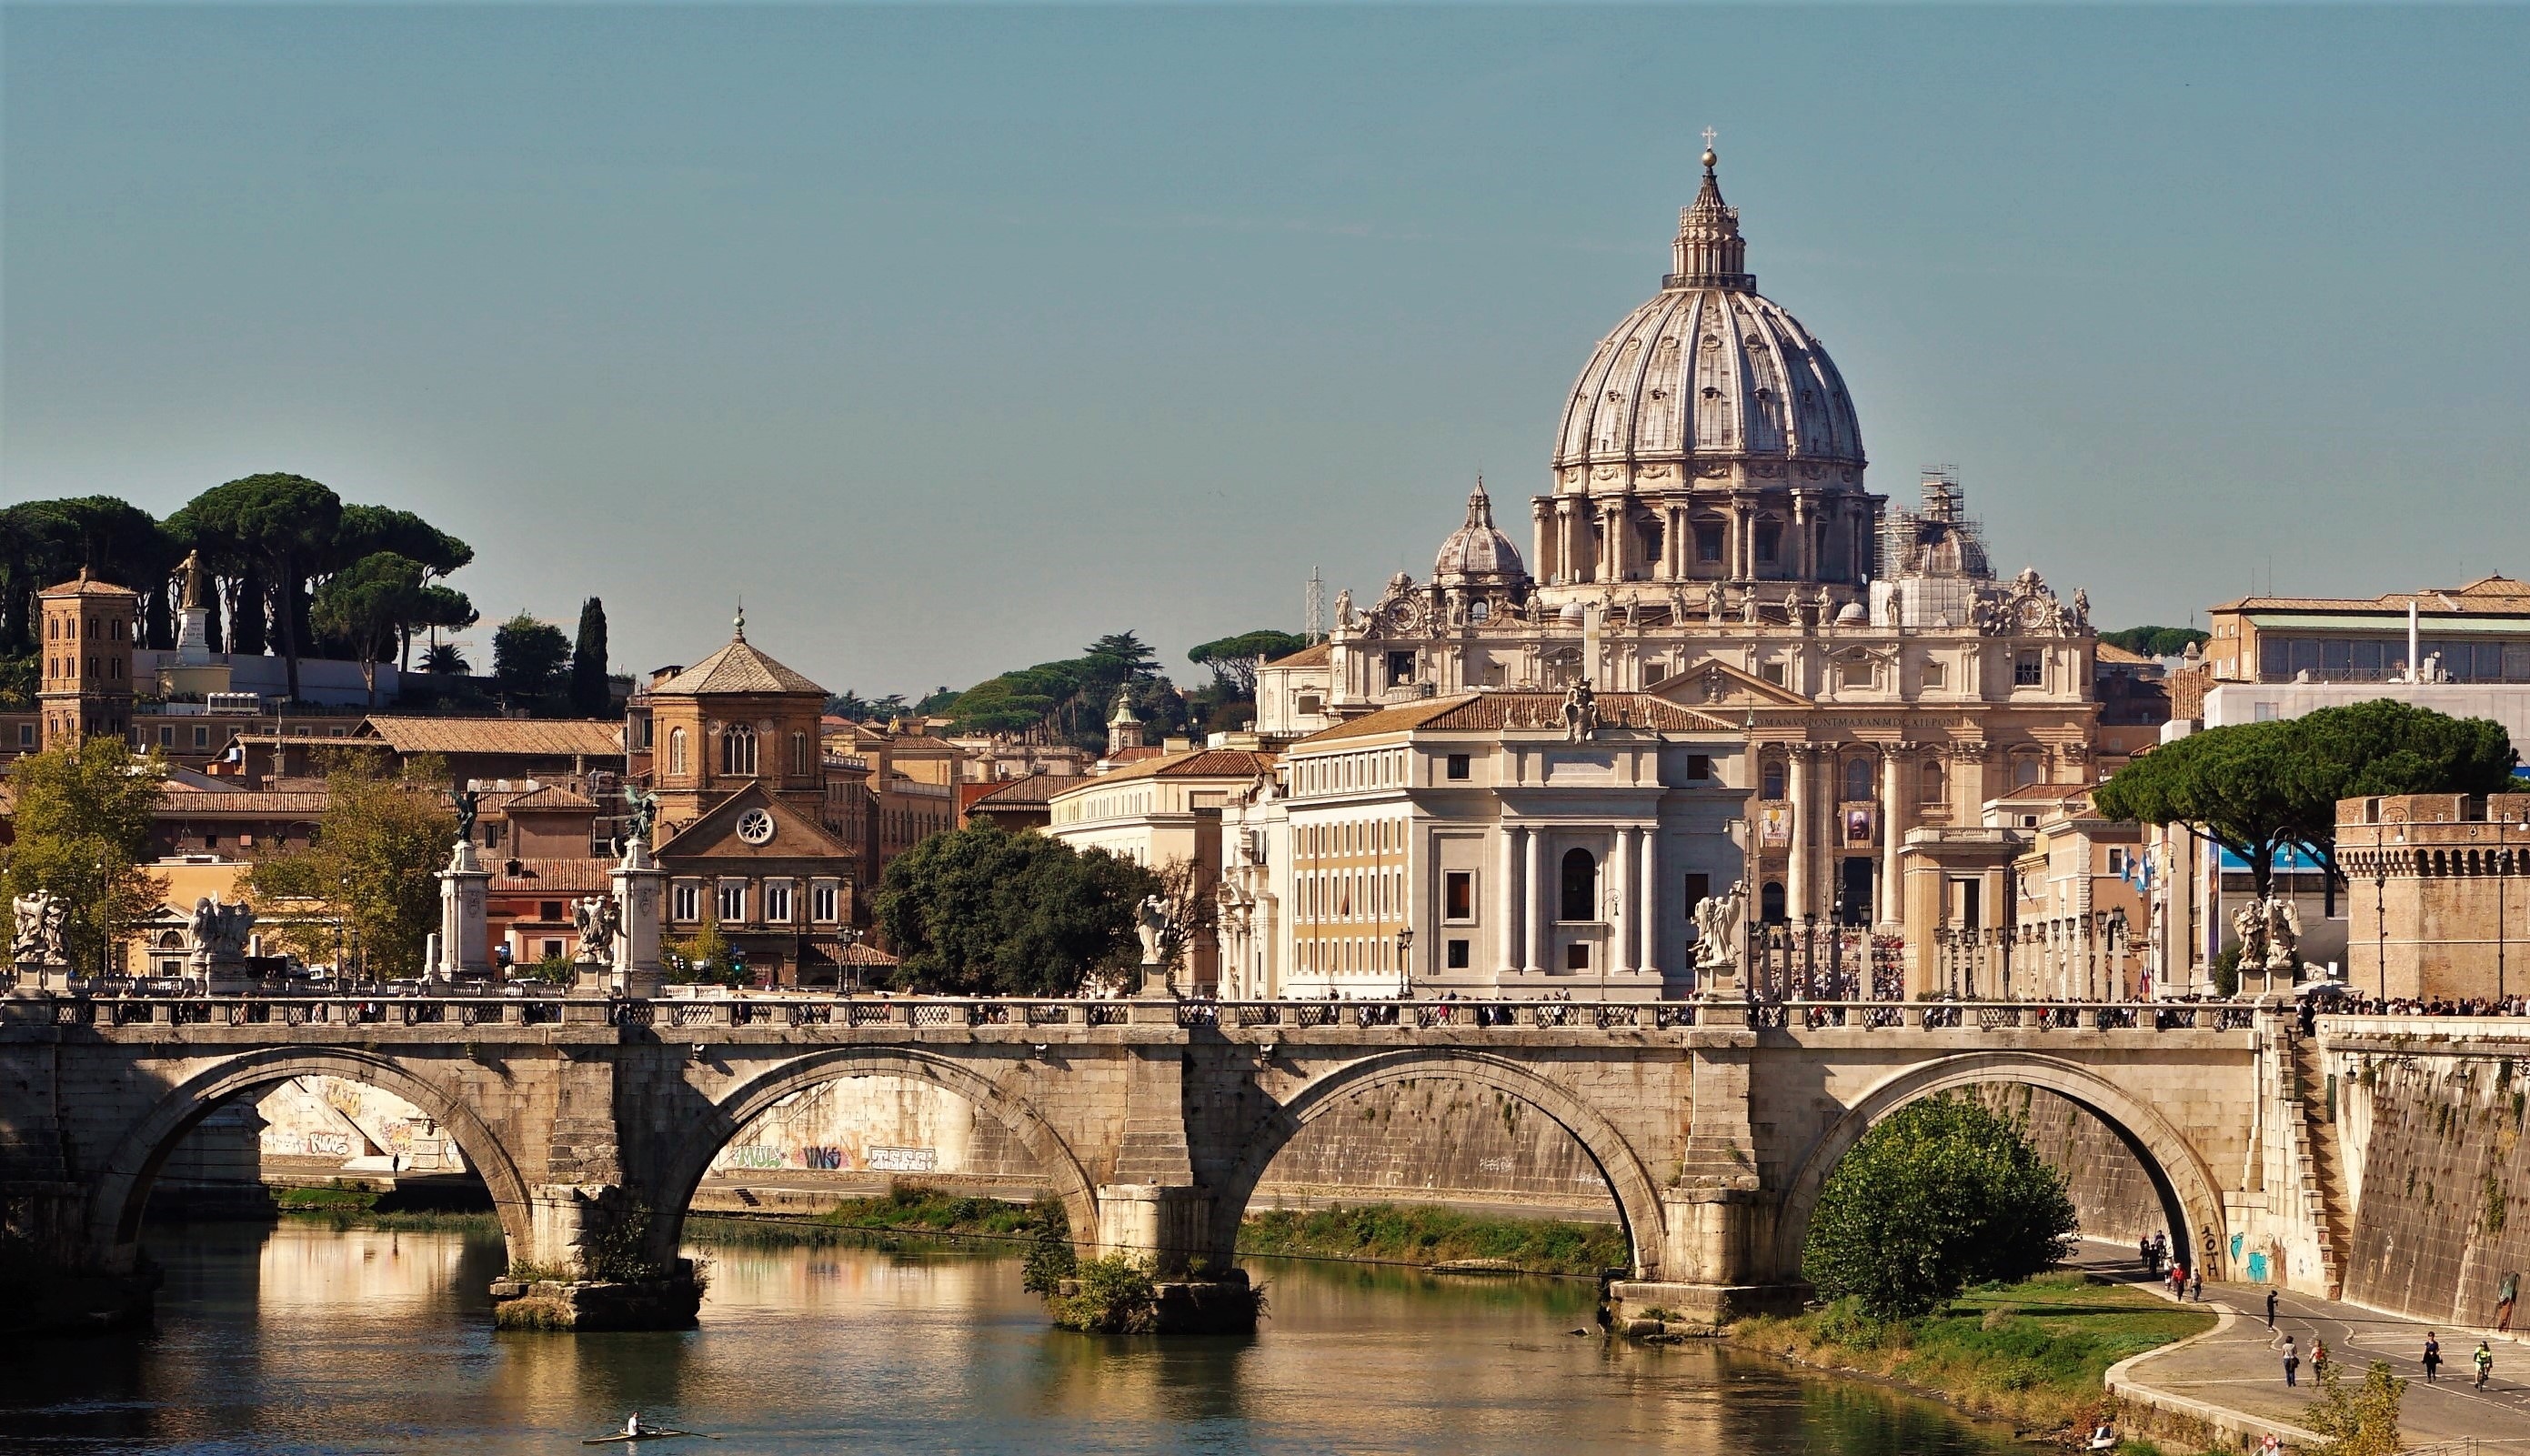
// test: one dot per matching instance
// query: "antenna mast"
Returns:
(1313, 609)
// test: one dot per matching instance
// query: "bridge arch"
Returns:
(2190, 1197)
(1637, 1199)
(120, 1196)
(690, 1156)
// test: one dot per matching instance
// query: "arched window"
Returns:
(1581, 885)
(737, 751)
(2025, 769)
(677, 751)
(1933, 790)
(1773, 786)
(1770, 902)
(1858, 778)
(799, 752)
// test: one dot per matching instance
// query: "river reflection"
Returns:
(305, 1339)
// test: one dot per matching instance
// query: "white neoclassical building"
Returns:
(1483, 844)
(1705, 538)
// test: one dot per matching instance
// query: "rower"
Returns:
(633, 1425)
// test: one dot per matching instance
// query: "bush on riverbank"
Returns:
(1941, 1195)
(1415, 1234)
(2033, 1353)
(1113, 1294)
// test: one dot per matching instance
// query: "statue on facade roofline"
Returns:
(1344, 607)
(1717, 921)
(1581, 711)
(1713, 604)
(1747, 606)
(598, 921)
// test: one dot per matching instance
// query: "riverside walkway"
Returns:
(2239, 1366)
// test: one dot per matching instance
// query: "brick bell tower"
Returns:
(89, 630)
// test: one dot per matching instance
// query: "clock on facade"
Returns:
(756, 826)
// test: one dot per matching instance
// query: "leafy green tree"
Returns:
(528, 656)
(705, 959)
(2257, 789)
(1232, 659)
(282, 528)
(365, 531)
(83, 822)
(371, 605)
(588, 694)
(2157, 642)
(2363, 1421)
(981, 911)
(374, 860)
(1942, 1194)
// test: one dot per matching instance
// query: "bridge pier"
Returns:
(589, 1267)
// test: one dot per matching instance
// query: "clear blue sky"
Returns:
(950, 338)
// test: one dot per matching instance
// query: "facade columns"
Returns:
(1538, 918)
(1543, 538)
(1647, 874)
(1893, 830)
(1514, 896)
(1615, 902)
(1797, 874)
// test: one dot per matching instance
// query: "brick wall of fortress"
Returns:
(2430, 1119)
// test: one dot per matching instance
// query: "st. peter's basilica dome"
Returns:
(1711, 372)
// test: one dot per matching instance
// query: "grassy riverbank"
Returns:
(2033, 1354)
(1415, 1234)
(1380, 1233)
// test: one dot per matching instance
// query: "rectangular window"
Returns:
(2117, 862)
(549, 911)
(732, 901)
(1458, 955)
(1458, 765)
(1576, 956)
(825, 902)
(201, 738)
(2335, 655)
(776, 902)
(1769, 540)
(1708, 544)
(2028, 669)
(2366, 657)
(2262, 713)
(1699, 888)
(1857, 674)
(26, 734)
(1934, 675)
(1459, 895)
(165, 736)
(1772, 672)
(1699, 767)
(2275, 657)
(553, 950)
(1401, 668)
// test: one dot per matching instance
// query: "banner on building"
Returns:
(1861, 824)
(1774, 826)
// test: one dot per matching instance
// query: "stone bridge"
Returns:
(594, 1120)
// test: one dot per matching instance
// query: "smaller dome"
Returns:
(1572, 615)
(1853, 615)
(1476, 553)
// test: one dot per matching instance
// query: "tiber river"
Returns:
(304, 1339)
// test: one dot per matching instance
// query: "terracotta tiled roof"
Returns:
(85, 585)
(2496, 596)
(550, 795)
(738, 668)
(2112, 653)
(1519, 713)
(1197, 763)
(553, 876)
(1317, 654)
(1136, 754)
(1033, 789)
(2039, 793)
(243, 802)
(552, 737)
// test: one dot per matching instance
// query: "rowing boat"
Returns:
(647, 1436)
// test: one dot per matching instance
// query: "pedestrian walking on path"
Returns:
(2196, 1286)
(2292, 1363)
(2270, 1309)
(2433, 1355)
(2484, 1360)
(2319, 1360)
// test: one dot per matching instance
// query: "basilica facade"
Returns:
(1708, 543)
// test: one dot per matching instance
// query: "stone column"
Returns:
(463, 887)
(1617, 902)
(640, 893)
(1539, 912)
(1542, 536)
(1892, 829)
(1796, 873)
(1647, 876)
(1513, 896)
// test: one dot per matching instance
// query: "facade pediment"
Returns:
(733, 831)
(1708, 683)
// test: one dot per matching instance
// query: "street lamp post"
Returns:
(1406, 964)
(845, 939)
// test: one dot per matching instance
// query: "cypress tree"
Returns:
(588, 696)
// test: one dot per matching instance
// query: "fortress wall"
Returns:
(2442, 1221)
